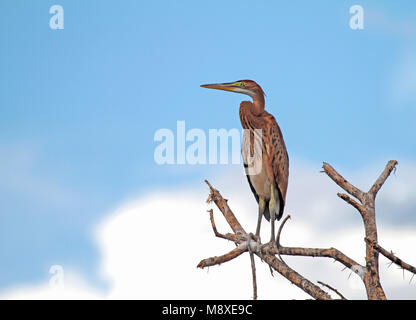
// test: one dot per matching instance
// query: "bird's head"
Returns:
(248, 87)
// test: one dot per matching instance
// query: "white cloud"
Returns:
(150, 246)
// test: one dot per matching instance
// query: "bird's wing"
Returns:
(277, 153)
(266, 212)
(247, 148)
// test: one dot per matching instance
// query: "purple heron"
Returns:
(269, 174)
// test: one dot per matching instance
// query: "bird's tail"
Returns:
(266, 212)
(279, 212)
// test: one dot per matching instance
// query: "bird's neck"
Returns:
(258, 104)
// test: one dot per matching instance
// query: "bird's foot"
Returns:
(267, 249)
(273, 244)
(249, 239)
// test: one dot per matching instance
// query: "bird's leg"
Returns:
(249, 243)
(272, 210)
(272, 218)
(262, 207)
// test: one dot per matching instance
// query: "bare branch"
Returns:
(342, 182)
(224, 258)
(391, 165)
(316, 252)
(280, 230)
(278, 236)
(324, 253)
(259, 249)
(352, 202)
(226, 211)
(253, 273)
(228, 236)
(333, 289)
(371, 277)
(294, 277)
(368, 273)
(392, 257)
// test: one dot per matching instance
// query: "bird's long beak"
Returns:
(230, 86)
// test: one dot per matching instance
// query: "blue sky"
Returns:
(79, 107)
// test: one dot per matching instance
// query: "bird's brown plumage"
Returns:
(273, 150)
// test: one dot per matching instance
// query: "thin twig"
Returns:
(333, 289)
(253, 273)
(228, 236)
(278, 236)
(324, 253)
(352, 202)
(224, 258)
(280, 230)
(342, 182)
(222, 204)
(391, 165)
(392, 257)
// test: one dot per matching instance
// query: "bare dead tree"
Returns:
(364, 202)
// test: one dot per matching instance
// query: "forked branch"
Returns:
(391, 165)
(262, 251)
(368, 272)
